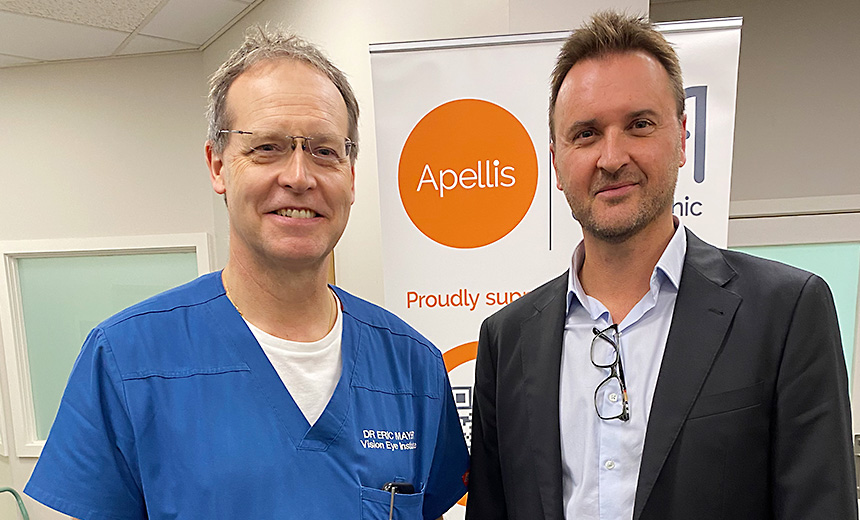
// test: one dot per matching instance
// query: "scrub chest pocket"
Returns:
(376, 503)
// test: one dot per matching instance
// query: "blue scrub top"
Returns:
(173, 411)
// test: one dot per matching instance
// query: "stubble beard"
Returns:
(656, 200)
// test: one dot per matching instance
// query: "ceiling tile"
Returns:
(122, 15)
(193, 21)
(42, 39)
(142, 44)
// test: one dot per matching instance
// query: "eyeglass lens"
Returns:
(266, 147)
(604, 353)
(610, 396)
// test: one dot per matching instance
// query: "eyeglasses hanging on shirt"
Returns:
(610, 396)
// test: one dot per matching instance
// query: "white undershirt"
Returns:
(309, 370)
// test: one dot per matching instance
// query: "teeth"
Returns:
(296, 213)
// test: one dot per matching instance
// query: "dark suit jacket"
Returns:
(750, 417)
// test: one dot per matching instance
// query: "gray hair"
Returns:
(262, 44)
(610, 32)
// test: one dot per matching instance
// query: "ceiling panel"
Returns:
(42, 39)
(192, 20)
(146, 44)
(36, 31)
(107, 14)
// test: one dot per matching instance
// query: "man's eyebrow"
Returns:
(588, 123)
(267, 132)
(644, 112)
(578, 125)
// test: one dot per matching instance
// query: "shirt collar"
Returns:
(670, 265)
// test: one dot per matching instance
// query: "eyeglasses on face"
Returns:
(605, 353)
(268, 147)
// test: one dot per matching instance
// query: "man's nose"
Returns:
(295, 170)
(614, 154)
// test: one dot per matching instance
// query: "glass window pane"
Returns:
(63, 298)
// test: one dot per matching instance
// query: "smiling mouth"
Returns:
(296, 213)
(614, 188)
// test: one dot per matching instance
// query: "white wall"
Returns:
(103, 148)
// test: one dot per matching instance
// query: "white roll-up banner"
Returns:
(471, 217)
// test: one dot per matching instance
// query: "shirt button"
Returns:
(613, 397)
(609, 464)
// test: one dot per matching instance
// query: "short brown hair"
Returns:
(610, 32)
(261, 44)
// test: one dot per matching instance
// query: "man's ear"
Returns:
(552, 160)
(683, 152)
(217, 171)
(352, 182)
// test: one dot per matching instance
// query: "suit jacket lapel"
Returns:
(540, 349)
(703, 312)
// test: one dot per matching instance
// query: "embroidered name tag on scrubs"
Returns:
(388, 440)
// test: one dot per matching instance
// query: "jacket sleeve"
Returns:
(486, 490)
(813, 470)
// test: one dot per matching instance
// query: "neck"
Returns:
(619, 274)
(293, 304)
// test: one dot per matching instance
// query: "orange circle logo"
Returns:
(468, 173)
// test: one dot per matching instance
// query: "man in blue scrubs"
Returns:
(261, 391)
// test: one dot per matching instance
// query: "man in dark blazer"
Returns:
(743, 410)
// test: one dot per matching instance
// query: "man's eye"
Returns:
(642, 125)
(265, 152)
(328, 148)
(585, 134)
(266, 148)
(323, 151)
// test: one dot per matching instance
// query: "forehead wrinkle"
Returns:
(288, 92)
(275, 109)
(280, 120)
(581, 94)
(644, 112)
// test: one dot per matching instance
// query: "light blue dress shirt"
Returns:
(601, 458)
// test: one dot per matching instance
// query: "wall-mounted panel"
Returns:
(64, 297)
(55, 292)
